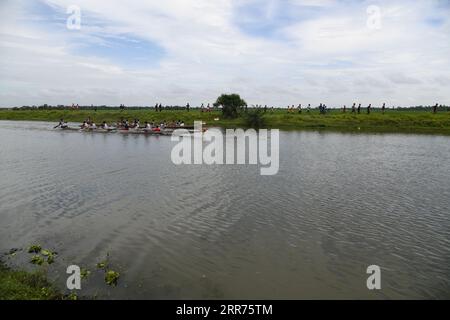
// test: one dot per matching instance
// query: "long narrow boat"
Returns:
(146, 132)
(163, 132)
(97, 130)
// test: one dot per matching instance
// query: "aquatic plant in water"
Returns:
(111, 277)
(72, 296)
(34, 248)
(50, 259)
(84, 273)
(37, 260)
(46, 253)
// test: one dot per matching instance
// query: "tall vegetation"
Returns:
(254, 118)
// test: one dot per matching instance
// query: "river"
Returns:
(339, 203)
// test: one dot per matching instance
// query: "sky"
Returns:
(274, 53)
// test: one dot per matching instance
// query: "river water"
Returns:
(340, 203)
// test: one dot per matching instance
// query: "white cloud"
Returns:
(330, 57)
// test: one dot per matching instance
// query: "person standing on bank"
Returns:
(435, 108)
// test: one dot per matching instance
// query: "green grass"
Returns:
(22, 285)
(391, 121)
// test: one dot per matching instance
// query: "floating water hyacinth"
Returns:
(111, 277)
(50, 259)
(72, 296)
(35, 248)
(104, 263)
(84, 273)
(13, 251)
(37, 260)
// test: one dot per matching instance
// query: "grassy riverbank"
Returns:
(391, 121)
(23, 285)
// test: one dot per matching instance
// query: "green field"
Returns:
(392, 121)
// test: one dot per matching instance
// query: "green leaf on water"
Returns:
(111, 277)
(37, 260)
(101, 265)
(46, 252)
(35, 248)
(85, 273)
(50, 259)
(13, 252)
(72, 296)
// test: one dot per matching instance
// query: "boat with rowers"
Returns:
(124, 127)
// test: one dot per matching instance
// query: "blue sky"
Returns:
(271, 52)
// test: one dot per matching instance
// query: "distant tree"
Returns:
(232, 105)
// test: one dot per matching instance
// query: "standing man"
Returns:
(435, 108)
(383, 108)
(187, 107)
(359, 108)
(354, 108)
(368, 108)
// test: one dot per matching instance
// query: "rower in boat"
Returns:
(105, 126)
(148, 126)
(93, 126)
(135, 124)
(157, 129)
(62, 124)
(124, 125)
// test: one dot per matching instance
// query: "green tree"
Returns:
(231, 104)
